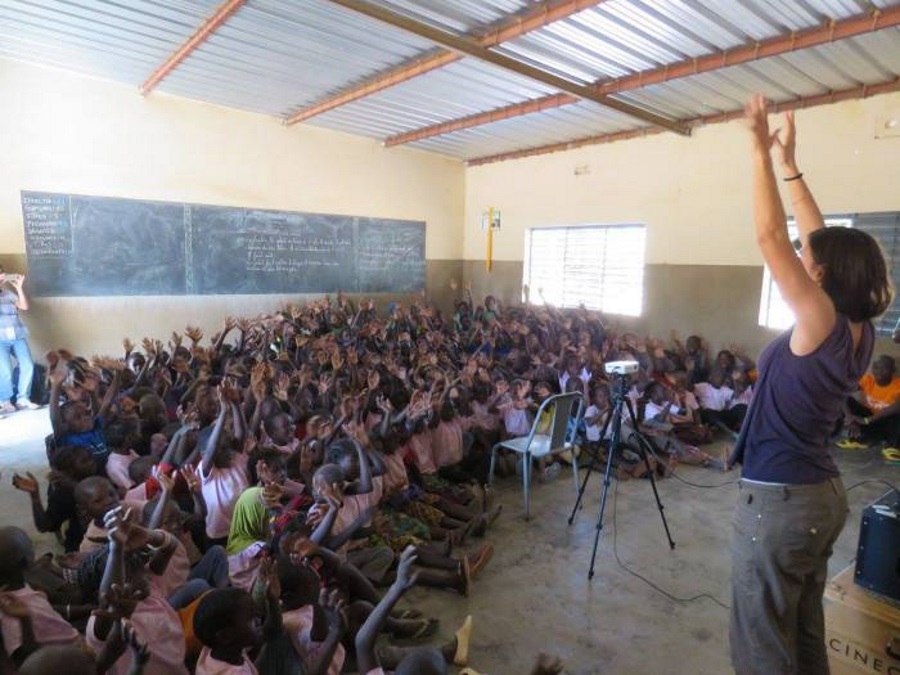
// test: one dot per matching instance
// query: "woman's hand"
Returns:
(785, 143)
(756, 114)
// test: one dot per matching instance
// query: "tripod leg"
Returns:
(490, 480)
(642, 444)
(616, 414)
(526, 482)
(584, 482)
(613, 447)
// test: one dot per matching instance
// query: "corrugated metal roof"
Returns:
(122, 42)
(460, 89)
(552, 126)
(280, 56)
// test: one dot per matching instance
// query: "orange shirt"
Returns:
(878, 397)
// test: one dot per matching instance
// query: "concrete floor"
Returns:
(535, 594)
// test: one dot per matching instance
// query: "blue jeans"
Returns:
(26, 369)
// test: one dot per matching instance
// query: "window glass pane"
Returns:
(773, 310)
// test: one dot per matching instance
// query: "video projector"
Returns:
(621, 367)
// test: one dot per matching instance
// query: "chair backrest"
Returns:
(562, 408)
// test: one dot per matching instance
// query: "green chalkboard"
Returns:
(83, 245)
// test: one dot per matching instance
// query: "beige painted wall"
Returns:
(61, 132)
(693, 193)
(704, 272)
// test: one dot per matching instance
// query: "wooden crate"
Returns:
(862, 632)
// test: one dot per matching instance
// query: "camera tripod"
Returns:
(621, 403)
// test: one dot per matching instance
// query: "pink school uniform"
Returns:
(117, 469)
(157, 625)
(298, 625)
(421, 447)
(221, 489)
(49, 627)
(207, 665)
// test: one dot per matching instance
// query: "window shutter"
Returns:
(601, 267)
(885, 227)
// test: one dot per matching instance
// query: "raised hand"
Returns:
(28, 483)
(756, 115)
(176, 340)
(268, 573)
(166, 482)
(123, 531)
(194, 333)
(282, 386)
(128, 346)
(272, 495)
(406, 577)
(120, 602)
(325, 382)
(335, 608)
(191, 477)
(149, 346)
(90, 381)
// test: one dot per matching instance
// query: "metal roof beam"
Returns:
(473, 49)
(210, 26)
(813, 37)
(508, 29)
(863, 91)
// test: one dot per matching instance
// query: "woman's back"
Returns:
(797, 403)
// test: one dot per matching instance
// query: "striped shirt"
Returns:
(11, 326)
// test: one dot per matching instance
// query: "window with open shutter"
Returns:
(598, 266)
(885, 227)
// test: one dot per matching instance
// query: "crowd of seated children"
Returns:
(294, 465)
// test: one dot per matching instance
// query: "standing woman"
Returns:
(792, 504)
(12, 340)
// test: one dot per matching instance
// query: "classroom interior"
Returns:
(76, 131)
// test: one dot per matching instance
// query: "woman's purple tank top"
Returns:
(797, 401)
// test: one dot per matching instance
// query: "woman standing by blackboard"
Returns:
(13, 336)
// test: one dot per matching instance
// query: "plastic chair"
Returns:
(544, 440)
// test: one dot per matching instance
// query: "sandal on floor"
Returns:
(406, 614)
(850, 444)
(891, 456)
(429, 628)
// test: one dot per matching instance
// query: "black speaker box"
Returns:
(878, 553)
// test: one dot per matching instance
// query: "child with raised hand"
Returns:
(660, 412)
(120, 457)
(70, 465)
(224, 623)
(426, 661)
(95, 496)
(73, 423)
(125, 592)
(183, 581)
(223, 471)
(306, 616)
